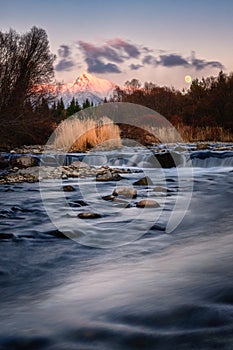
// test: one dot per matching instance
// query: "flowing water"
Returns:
(163, 290)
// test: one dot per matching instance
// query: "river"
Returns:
(145, 286)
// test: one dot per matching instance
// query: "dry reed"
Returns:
(78, 135)
(187, 133)
(208, 133)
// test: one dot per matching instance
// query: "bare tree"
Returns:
(26, 65)
(132, 85)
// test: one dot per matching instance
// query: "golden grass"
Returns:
(208, 133)
(167, 135)
(187, 133)
(78, 135)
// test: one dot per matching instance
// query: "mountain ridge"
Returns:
(85, 86)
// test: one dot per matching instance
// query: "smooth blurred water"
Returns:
(161, 291)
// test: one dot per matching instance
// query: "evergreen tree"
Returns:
(58, 111)
(77, 106)
(71, 108)
(86, 104)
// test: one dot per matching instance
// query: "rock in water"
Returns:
(148, 203)
(109, 197)
(68, 188)
(24, 161)
(144, 181)
(3, 162)
(89, 215)
(6, 236)
(119, 202)
(125, 191)
(167, 159)
(81, 203)
(108, 176)
(160, 189)
(80, 165)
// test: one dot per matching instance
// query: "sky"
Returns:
(160, 41)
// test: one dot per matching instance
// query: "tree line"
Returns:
(56, 111)
(208, 101)
(29, 111)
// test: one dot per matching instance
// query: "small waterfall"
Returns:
(210, 159)
(137, 158)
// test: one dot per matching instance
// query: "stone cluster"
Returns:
(26, 169)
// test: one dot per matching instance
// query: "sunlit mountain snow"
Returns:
(86, 86)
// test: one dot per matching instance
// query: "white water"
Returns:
(162, 291)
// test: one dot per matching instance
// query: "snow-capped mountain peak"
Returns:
(87, 81)
(86, 86)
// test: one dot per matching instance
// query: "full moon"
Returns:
(187, 79)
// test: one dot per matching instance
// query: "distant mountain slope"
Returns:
(85, 86)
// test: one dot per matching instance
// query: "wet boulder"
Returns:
(144, 181)
(108, 176)
(68, 188)
(160, 189)
(89, 215)
(4, 163)
(125, 191)
(116, 201)
(119, 202)
(109, 197)
(80, 165)
(24, 161)
(165, 160)
(148, 203)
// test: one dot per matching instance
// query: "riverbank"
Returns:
(35, 163)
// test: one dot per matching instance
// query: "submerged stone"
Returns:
(160, 189)
(125, 191)
(6, 236)
(108, 176)
(24, 161)
(148, 203)
(4, 163)
(81, 203)
(144, 181)
(109, 197)
(119, 202)
(68, 188)
(80, 165)
(89, 215)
